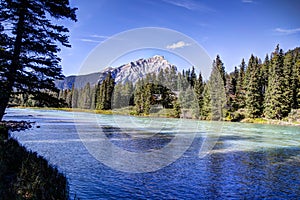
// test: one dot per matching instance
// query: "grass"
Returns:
(25, 175)
(255, 120)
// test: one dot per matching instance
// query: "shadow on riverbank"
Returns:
(25, 175)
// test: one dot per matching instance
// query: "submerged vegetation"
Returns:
(25, 175)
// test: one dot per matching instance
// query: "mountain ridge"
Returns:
(131, 71)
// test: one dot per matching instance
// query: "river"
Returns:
(114, 157)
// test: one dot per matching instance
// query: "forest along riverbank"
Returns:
(292, 120)
(24, 174)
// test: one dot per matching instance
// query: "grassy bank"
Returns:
(25, 175)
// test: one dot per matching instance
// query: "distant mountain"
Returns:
(128, 72)
(134, 70)
(78, 81)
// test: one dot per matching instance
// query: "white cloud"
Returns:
(189, 4)
(177, 45)
(287, 31)
(247, 1)
(100, 36)
(94, 38)
(89, 40)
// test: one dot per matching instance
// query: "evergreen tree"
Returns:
(229, 89)
(218, 64)
(147, 96)
(138, 100)
(173, 79)
(69, 96)
(198, 91)
(288, 84)
(117, 96)
(217, 91)
(206, 110)
(193, 78)
(105, 92)
(240, 86)
(265, 74)
(274, 93)
(296, 79)
(75, 98)
(254, 88)
(87, 99)
(29, 61)
(177, 109)
(93, 98)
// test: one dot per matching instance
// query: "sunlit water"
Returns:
(248, 161)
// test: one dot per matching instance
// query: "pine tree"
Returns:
(288, 84)
(138, 101)
(117, 96)
(296, 79)
(254, 88)
(93, 98)
(30, 62)
(198, 91)
(234, 76)
(240, 86)
(274, 93)
(87, 99)
(104, 93)
(193, 77)
(147, 95)
(75, 98)
(229, 89)
(217, 91)
(265, 74)
(206, 110)
(173, 79)
(177, 109)
(218, 64)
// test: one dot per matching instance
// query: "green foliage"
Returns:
(206, 111)
(240, 87)
(177, 110)
(254, 97)
(29, 61)
(217, 91)
(219, 66)
(104, 93)
(198, 91)
(274, 94)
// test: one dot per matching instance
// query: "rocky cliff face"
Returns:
(128, 72)
(134, 70)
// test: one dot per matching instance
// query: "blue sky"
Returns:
(231, 28)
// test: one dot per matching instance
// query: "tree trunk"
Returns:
(15, 62)
(3, 105)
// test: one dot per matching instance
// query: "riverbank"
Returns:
(24, 174)
(292, 120)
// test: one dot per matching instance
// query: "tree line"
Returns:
(268, 89)
(256, 89)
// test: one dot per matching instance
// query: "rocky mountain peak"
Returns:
(131, 71)
(140, 68)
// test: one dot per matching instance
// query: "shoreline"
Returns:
(25, 174)
(121, 112)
